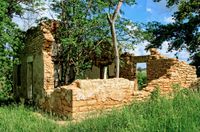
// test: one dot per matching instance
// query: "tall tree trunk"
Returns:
(111, 20)
(115, 43)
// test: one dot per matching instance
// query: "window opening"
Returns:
(141, 75)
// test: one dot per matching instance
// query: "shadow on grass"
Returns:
(7, 101)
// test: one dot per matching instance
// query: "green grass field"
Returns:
(180, 114)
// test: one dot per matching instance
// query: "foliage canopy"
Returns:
(184, 33)
(83, 23)
(10, 44)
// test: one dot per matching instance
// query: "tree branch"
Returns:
(117, 10)
(109, 18)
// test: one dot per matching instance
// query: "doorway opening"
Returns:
(141, 75)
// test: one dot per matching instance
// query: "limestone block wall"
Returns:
(59, 101)
(162, 72)
(31, 67)
(171, 72)
(158, 68)
(177, 72)
(47, 57)
(36, 65)
(128, 68)
(196, 85)
(48, 72)
(84, 97)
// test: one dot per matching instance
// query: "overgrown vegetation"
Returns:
(141, 78)
(182, 113)
(11, 43)
(83, 30)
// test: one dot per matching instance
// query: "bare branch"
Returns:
(117, 10)
(109, 18)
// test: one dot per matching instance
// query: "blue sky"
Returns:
(144, 11)
(147, 10)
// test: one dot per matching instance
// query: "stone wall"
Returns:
(196, 85)
(31, 60)
(178, 73)
(128, 68)
(36, 66)
(84, 97)
(47, 57)
(162, 72)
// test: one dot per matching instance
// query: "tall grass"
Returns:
(182, 113)
(18, 118)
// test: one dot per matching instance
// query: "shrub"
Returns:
(142, 79)
(5, 92)
(155, 95)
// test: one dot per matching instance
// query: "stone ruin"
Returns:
(162, 72)
(34, 80)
